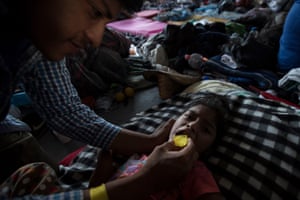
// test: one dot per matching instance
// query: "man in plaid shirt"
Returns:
(35, 38)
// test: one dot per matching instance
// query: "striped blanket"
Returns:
(258, 156)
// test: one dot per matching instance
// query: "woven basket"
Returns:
(169, 81)
(167, 86)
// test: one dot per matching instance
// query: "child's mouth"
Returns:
(180, 140)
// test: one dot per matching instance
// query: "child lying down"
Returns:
(202, 122)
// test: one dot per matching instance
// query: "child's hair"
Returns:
(219, 104)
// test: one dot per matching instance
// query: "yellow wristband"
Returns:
(99, 193)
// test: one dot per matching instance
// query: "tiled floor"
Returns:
(118, 114)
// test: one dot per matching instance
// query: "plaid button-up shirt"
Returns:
(48, 84)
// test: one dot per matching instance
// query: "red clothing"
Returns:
(198, 182)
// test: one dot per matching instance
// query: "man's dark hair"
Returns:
(11, 19)
(12, 16)
(132, 5)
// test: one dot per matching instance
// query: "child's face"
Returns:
(199, 123)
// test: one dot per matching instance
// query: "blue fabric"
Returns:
(20, 99)
(262, 79)
(8, 69)
(11, 124)
(9, 79)
(289, 50)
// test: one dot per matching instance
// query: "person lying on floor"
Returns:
(203, 122)
(36, 36)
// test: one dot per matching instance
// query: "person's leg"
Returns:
(18, 149)
(35, 178)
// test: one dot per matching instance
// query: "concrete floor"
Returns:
(142, 100)
(117, 114)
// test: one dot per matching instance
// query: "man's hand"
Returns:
(168, 164)
(165, 167)
(161, 134)
(129, 142)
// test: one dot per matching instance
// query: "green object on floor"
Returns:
(233, 27)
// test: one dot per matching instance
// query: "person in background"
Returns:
(203, 122)
(36, 36)
(289, 47)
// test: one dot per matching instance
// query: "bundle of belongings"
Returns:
(96, 69)
(249, 66)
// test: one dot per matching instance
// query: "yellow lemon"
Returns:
(129, 91)
(119, 96)
(180, 140)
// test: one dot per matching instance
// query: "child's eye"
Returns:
(188, 116)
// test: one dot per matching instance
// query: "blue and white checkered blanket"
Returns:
(258, 156)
